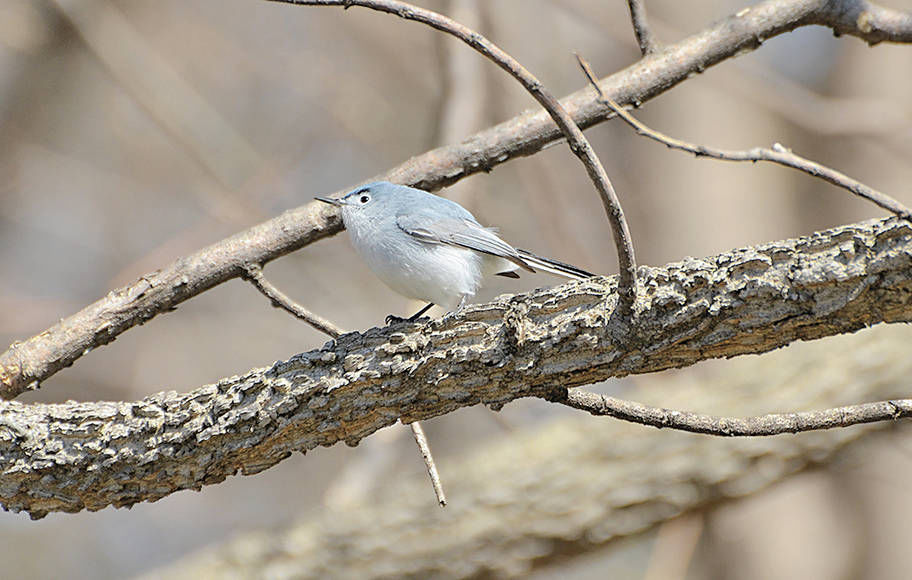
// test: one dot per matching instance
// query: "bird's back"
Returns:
(411, 201)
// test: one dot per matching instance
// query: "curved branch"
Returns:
(575, 139)
(74, 456)
(24, 365)
(773, 424)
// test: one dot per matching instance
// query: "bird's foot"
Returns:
(391, 319)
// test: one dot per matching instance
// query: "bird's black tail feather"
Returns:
(554, 266)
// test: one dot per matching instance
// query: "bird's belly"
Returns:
(435, 273)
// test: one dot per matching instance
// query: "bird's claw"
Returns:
(393, 319)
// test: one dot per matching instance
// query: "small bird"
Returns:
(430, 248)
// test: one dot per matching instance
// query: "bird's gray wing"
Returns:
(459, 232)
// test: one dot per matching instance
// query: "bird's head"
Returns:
(368, 202)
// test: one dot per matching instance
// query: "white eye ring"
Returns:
(364, 198)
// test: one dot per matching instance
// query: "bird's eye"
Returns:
(365, 198)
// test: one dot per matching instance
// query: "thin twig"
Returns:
(764, 425)
(422, 442)
(280, 300)
(575, 138)
(776, 154)
(645, 37)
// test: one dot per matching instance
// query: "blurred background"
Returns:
(133, 133)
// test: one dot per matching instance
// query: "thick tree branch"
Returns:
(24, 365)
(74, 456)
(593, 482)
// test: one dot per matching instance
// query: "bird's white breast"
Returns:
(437, 273)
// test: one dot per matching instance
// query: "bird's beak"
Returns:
(331, 201)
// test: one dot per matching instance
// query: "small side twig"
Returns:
(776, 154)
(646, 39)
(425, 449)
(764, 425)
(254, 274)
(280, 300)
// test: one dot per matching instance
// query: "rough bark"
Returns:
(24, 365)
(576, 486)
(74, 456)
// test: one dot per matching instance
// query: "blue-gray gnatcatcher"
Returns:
(430, 248)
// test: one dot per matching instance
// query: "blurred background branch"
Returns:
(188, 118)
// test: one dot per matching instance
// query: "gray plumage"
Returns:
(430, 248)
